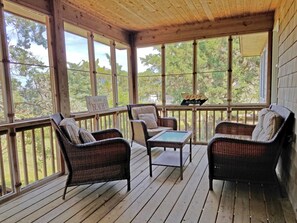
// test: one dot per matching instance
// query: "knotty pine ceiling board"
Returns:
(139, 15)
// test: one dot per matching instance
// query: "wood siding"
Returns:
(287, 87)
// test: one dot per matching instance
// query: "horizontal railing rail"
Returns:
(29, 154)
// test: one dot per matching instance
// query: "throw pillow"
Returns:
(259, 127)
(86, 136)
(70, 128)
(149, 120)
(271, 123)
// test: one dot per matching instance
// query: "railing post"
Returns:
(194, 123)
(12, 146)
(116, 123)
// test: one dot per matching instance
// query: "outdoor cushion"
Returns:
(271, 123)
(71, 130)
(86, 136)
(152, 132)
(149, 109)
(259, 126)
(244, 137)
(149, 120)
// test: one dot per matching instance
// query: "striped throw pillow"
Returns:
(86, 136)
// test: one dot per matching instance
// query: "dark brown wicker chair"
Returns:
(246, 160)
(107, 159)
(140, 132)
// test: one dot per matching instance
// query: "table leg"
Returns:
(181, 163)
(190, 149)
(150, 160)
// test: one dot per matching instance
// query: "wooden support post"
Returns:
(92, 62)
(229, 79)
(93, 72)
(163, 74)
(269, 67)
(8, 104)
(114, 73)
(60, 64)
(132, 63)
(59, 58)
(194, 67)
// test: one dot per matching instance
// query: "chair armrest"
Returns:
(168, 122)
(106, 134)
(239, 148)
(139, 132)
(100, 153)
(234, 128)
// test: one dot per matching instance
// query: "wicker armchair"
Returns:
(140, 132)
(107, 159)
(242, 159)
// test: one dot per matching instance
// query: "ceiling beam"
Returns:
(209, 29)
(84, 20)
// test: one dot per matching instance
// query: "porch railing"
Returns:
(29, 155)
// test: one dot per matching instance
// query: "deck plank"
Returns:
(242, 203)
(163, 197)
(167, 204)
(257, 204)
(274, 208)
(195, 207)
(210, 209)
(226, 207)
(181, 206)
(98, 208)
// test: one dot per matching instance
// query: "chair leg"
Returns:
(128, 185)
(131, 143)
(65, 189)
(210, 184)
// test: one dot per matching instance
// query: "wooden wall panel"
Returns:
(287, 89)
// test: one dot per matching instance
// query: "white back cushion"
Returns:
(71, 129)
(149, 120)
(259, 126)
(271, 123)
(149, 109)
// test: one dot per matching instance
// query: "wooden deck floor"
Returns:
(161, 198)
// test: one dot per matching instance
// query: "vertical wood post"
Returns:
(60, 64)
(163, 74)
(269, 67)
(93, 72)
(229, 79)
(92, 63)
(8, 104)
(114, 73)
(132, 63)
(59, 59)
(194, 67)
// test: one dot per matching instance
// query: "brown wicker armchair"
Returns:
(242, 159)
(107, 159)
(140, 132)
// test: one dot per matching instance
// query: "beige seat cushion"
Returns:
(149, 120)
(68, 125)
(149, 109)
(259, 126)
(244, 137)
(152, 132)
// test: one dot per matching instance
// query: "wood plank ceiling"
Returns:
(140, 15)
